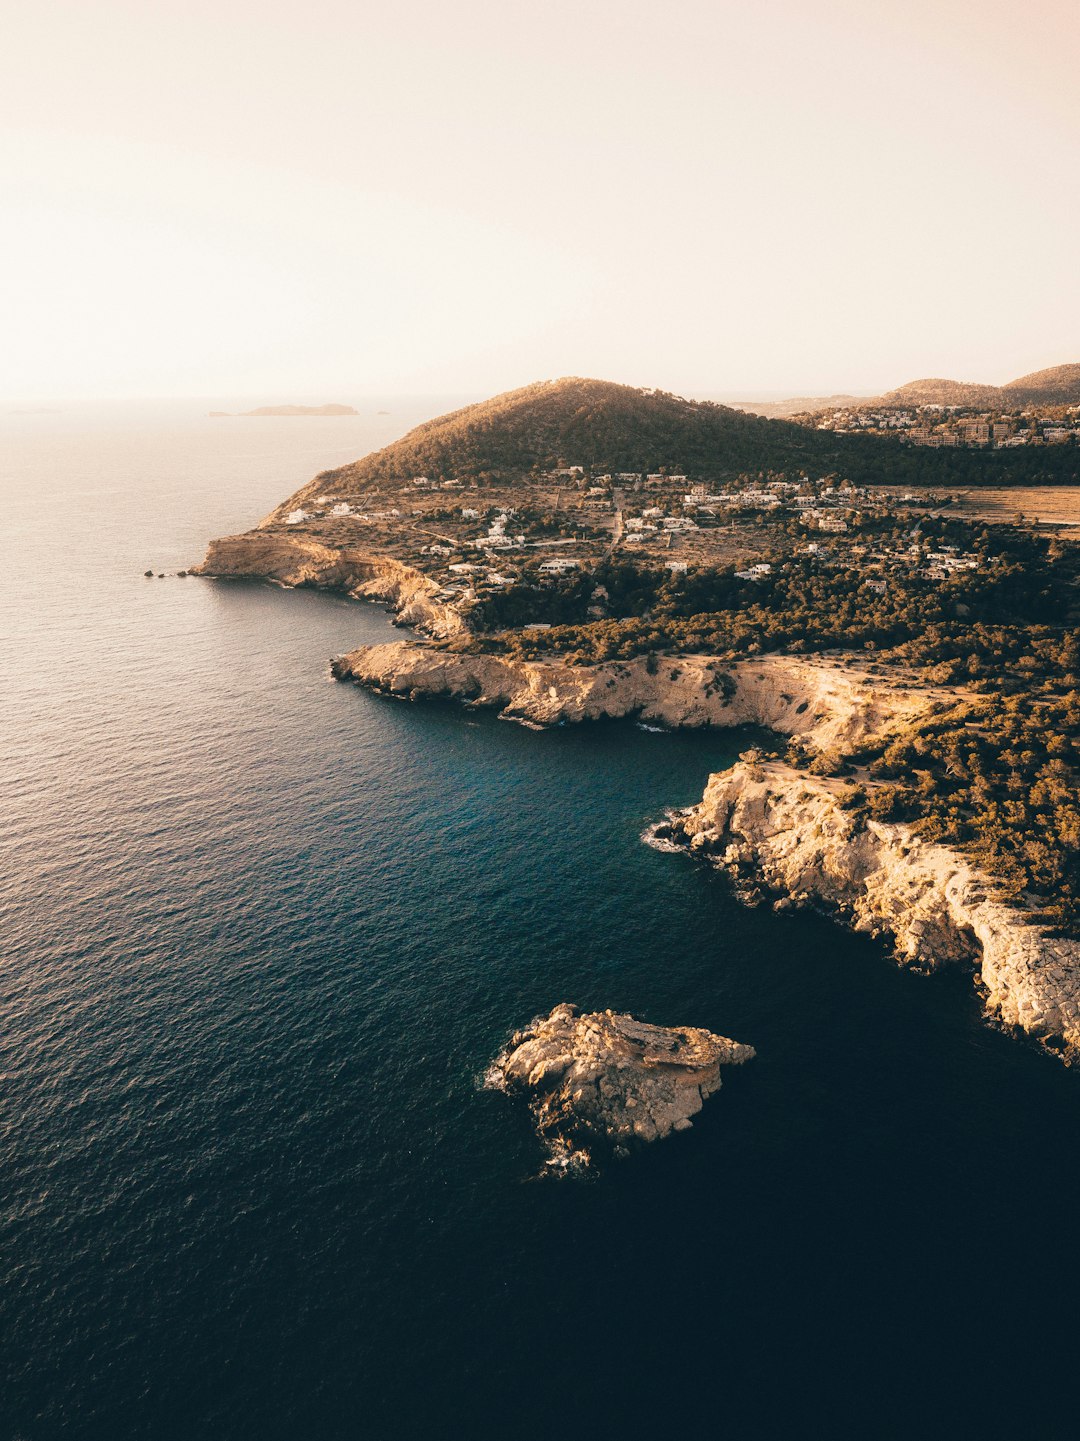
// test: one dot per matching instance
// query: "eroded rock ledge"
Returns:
(830, 704)
(295, 560)
(603, 1076)
(789, 831)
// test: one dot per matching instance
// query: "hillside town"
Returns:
(477, 540)
(966, 427)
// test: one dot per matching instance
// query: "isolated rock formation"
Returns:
(603, 1076)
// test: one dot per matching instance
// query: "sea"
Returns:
(263, 933)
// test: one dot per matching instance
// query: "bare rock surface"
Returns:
(267, 554)
(790, 831)
(608, 1077)
(828, 703)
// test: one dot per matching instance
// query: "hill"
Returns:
(609, 428)
(595, 424)
(942, 392)
(1059, 385)
(799, 405)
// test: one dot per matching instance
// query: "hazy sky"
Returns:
(336, 197)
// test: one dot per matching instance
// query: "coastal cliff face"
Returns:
(789, 830)
(265, 554)
(784, 827)
(830, 705)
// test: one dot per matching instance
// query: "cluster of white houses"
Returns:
(337, 509)
(951, 425)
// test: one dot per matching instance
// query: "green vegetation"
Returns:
(808, 603)
(992, 613)
(997, 772)
(999, 777)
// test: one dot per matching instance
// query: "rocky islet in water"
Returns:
(601, 1077)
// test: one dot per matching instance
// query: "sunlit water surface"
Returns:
(261, 935)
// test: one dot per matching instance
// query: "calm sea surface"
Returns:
(261, 934)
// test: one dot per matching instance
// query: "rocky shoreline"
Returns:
(769, 825)
(766, 825)
(267, 554)
(774, 825)
(828, 704)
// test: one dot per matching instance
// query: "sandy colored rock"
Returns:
(609, 1077)
(781, 827)
(829, 704)
(267, 554)
(790, 831)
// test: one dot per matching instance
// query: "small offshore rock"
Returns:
(609, 1077)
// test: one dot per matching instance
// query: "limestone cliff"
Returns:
(784, 826)
(266, 554)
(824, 701)
(789, 830)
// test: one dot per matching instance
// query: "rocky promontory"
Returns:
(790, 832)
(299, 560)
(609, 1077)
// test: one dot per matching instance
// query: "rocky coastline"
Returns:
(782, 827)
(770, 826)
(267, 554)
(766, 825)
(828, 703)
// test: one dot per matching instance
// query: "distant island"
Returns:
(874, 588)
(289, 410)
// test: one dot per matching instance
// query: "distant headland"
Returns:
(1057, 385)
(289, 410)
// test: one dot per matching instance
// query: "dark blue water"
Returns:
(261, 935)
